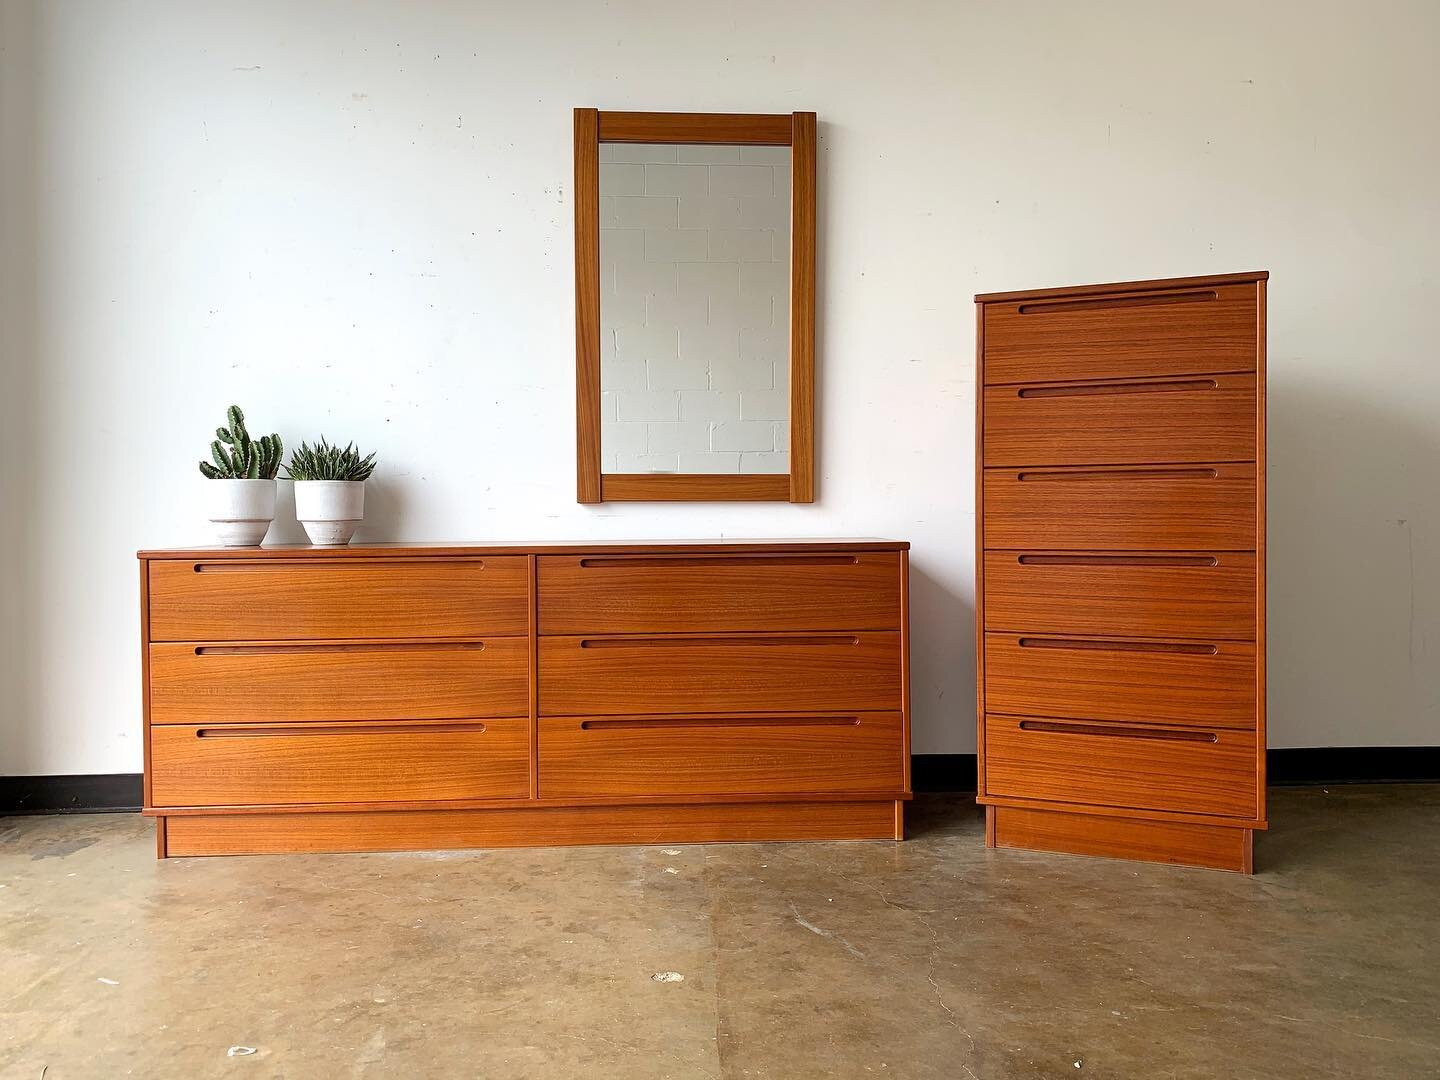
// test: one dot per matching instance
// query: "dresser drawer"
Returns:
(1140, 767)
(1122, 508)
(1142, 594)
(311, 598)
(720, 755)
(290, 764)
(1197, 418)
(378, 680)
(1172, 331)
(748, 673)
(1207, 684)
(617, 594)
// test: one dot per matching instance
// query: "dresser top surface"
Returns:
(1124, 286)
(540, 547)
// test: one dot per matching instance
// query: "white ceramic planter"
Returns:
(330, 510)
(241, 510)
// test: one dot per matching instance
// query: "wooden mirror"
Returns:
(694, 306)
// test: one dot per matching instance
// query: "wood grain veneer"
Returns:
(1183, 843)
(327, 763)
(1120, 422)
(1208, 595)
(693, 487)
(803, 168)
(1121, 507)
(1195, 328)
(636, 674)
(391, 696)
(1175, 681)
(529, 826)
(752, 129)
(338, 680)
(1120, 590)
(617, 594)
(1147, 766)
(587, 306)
(250, 599)
(703, 755)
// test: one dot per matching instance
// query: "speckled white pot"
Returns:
(241, 510)
(330, 510)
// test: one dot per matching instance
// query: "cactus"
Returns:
(326, 462)
(238, 457)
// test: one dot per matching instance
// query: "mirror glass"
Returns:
(694, 308)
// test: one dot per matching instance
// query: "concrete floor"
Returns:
(933, 958)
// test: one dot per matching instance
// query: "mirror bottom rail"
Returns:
(695, 487)
(288, 832)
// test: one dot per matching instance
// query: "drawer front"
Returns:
(618, 594)
(740, 755)
(223, 684)
(302, 599)
(754, 673)
(1200, 418)
(290, 764)
(1147, 768)
(1205, 684)
(1154, 332)
(1181, 594)
(1122, 508)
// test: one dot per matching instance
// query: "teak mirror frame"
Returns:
(795, 130)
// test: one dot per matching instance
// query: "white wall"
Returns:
(356, 218)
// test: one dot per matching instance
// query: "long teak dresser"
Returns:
(403, 697)
(1120, 588)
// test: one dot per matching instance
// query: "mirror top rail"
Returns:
(743, 129)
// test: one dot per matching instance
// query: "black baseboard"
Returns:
(1299, 766)
(942, 772)
(100, 793)
(1353, 765)
(118, 792)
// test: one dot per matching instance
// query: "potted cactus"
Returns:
(242, 494)
(329, 490)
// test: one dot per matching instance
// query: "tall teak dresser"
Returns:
(1120, 592)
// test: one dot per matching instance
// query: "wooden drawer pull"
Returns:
(241, 731)
(1118, 560)
(339, 647)
(721, 722)
(622, 563)
(1122, 474)
(1117, 732)
(1096, 389)
(272, 566)
(1197, 296)
(674, 642)
(1185, 647)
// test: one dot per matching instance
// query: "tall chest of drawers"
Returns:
(1120, 585)
(400, 697)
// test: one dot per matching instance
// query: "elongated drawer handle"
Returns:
(1118, 560)
(1107, 389)
(620, 562)
(260, 566)
(1117, 732)
(241, 731)
(721, 722)
(671, 642)
(1120, 474)
(1185, 647)
(340, 647)
(1195, 296)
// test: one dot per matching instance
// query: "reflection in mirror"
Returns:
(694, 308)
